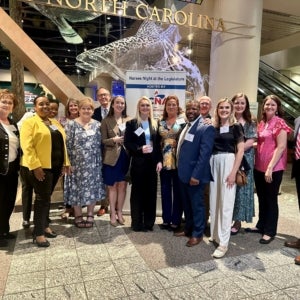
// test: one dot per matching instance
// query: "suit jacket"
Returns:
(295, 170)
(97, 114)
(194, 156)
(109, 129)
(134, 143)
(36, 145)
(4, 148)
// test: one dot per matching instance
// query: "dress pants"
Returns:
(221, 198)
(43, 190)
(8, 192)
(194, 208)
(143, 194)
(296, 167)
(27, 191)
(170, 197)
(267, 194)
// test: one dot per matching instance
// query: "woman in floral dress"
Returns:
(169, 129)
(244, 200)
(84, 187)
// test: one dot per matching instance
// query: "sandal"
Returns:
(81, 223)
(235, 229)
(89, 224)
(69, 212)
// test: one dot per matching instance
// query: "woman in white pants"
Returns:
(225, 161)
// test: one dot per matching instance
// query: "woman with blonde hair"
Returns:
(84, 186)
(71, 113)
(225, 161)
(142, 142)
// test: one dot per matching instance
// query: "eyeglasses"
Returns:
(4, 102)
(102, 95)
(204, 104)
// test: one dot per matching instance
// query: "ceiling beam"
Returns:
(287, 42)
(35, 60)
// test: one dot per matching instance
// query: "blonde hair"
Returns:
(7, 93)
(138, 116)
(232, 120)
(86, 101)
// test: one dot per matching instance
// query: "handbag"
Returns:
(241, 178)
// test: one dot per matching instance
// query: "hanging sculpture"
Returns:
(152, 48)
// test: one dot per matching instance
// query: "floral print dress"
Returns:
(85, 184)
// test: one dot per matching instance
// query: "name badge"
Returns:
(139, 131)
(180, 121)
(189, 137)
(90, 132)
(53, 127)
(122, 126)
(224, 129)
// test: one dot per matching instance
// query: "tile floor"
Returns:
(115, 263)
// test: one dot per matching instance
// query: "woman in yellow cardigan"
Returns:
(44, 159)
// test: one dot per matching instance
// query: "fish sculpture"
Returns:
(60, 16)
(153, 47)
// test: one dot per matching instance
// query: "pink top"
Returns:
(267, 133)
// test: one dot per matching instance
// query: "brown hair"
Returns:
(280, 111)
(246, 113)
(167, 99)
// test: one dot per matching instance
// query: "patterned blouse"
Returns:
(169, 138)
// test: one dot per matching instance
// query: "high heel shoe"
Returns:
(43, 244)
(51, 234)
(114, 224)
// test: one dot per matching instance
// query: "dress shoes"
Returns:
(26, 224)
(297, 260)
(181, 233)
(193, 241)
(51, 235)
(7, 236)
(293, 244)
(265, 242)
(253, 230)
(102, 211)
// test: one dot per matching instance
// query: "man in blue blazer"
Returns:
(193, 154)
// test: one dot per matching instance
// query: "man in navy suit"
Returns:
(193, 154)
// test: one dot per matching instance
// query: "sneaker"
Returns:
(220, 252)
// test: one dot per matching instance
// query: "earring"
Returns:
(276, 113)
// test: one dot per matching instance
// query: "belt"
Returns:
(221, 152)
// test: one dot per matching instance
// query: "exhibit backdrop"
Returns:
(156, 85)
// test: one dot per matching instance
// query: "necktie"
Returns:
(182, 136)
(297, 147)
(105, 111)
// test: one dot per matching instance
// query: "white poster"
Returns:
(156, 85)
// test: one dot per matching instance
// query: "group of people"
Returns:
(196, 156)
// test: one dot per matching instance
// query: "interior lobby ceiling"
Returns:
(276, 26)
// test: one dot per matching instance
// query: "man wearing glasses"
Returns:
(104, 98)
(205, 107)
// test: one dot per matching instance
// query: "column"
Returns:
(234, 59)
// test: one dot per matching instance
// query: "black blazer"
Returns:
(134, 143)
(97, 114)
(4, 148)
